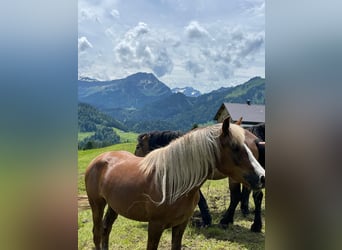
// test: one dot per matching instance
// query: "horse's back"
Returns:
(101, 162)
(101, 167)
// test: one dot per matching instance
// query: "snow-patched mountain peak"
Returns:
(187, 91)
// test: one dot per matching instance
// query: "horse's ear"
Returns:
(225, 126)
(238, 122)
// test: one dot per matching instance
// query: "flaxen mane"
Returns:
(187, 161)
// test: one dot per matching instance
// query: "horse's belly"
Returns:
(129, 202)
(141, 208)
(133, 211)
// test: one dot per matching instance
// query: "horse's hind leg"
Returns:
(97, 208)
(108, 221)
(177, 235)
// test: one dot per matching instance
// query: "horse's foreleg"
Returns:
(245, 200)
(155, 231)
(108, 221)
(257, 224)
(97, 208)
(235, 197)
(177, 235)
(205, 213)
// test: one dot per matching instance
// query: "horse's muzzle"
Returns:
(255, 182)
(262, 181)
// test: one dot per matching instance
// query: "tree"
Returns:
(103, 137)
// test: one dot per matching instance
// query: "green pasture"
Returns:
(130, 235)
(124, 136)
(82, 135)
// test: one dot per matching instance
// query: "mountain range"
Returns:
(133, 91)
(187, 91)
(143, 103)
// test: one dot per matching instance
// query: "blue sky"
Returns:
(198, 43)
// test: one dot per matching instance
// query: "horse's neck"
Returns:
(216, 175)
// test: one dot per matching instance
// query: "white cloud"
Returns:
(130, 49)
(255, 8)
(162, 63)
(84, 44)
(195, 31)
(194, 67)
(251, 45)
(218, 58)
(137, 31)
(124, 52)
(142, 48)
(115, 13)
(206, 44)
(86, 14)
(97, 11)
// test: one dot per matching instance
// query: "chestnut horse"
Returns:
(156, 139)
(162, 188)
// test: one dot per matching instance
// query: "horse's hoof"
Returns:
(256, 228)
(196, 223)
(206, 225)
(245, 211)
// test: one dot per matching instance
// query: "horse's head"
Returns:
(260, 152)
(150, 141)
(142, 147)
(256, 145)
(255, 140)
(238, 156)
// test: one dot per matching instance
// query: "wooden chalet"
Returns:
(251, 114)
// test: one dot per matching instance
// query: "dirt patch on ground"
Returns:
(83, 203)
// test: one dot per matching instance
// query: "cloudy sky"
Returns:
(199, 43)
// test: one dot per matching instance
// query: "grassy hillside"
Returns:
(82, 135)
(254, 90)
(90, 119)
(129, 234)
(124, 136)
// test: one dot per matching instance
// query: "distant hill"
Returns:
(90, 119)
(187, 91)
(155, 107)
(186, 111)
(134, 91)
(254, 89)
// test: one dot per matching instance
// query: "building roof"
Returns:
(251, 113)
